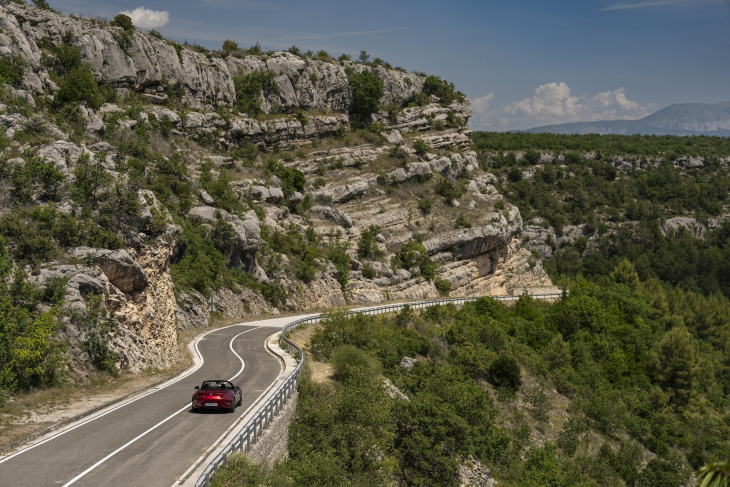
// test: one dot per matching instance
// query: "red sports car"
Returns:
(217, 395)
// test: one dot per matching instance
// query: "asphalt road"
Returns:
(154, 438)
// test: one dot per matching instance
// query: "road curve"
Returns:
(153, 438)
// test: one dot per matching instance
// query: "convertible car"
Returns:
(217, 395)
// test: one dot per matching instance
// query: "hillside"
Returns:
(678, 119)
(142, 178)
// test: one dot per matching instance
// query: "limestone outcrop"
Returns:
(306, 212)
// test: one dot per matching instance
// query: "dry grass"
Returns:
(320, 372)
(32, 412)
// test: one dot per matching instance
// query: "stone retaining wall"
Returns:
(273, 445)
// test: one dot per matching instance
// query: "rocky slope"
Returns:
(408, 179)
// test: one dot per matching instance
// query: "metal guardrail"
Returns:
(254, 428)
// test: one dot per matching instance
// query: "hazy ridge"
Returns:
(677, 119)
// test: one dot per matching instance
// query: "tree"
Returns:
(364, 56)
(625, 273)
(12, 70)
(123, 21)
(677, 358)
(367, 90)
(229, 47)
(92, 180)
(78, 86)
(505, 373)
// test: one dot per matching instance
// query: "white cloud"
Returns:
(657, 3)
(482, 113)
(145, 18)
(554, 103)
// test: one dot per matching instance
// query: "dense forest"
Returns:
(624, 381)
(620, 212)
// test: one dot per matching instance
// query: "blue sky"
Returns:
(523, 63)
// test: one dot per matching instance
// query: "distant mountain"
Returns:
(678, 119)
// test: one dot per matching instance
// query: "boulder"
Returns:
(407, 363)
(394, 138)
(207, 199)
(247, 232)
(118, 266)
(334, 215)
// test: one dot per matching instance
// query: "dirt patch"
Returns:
(301, 336)
(320, 372)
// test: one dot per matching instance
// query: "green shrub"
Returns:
(251, 87)
(123, 21)
(229, 47)
(433, 85)
(442, 286)
(12, 70)
(367, 90)
(338, 256)
(425, 205)
(368, 272)
(79, 85)
(413, 254)
(444, 187)
(347, 359)
(367, 245)
(462, 222)
(504, 373)
(420, 147)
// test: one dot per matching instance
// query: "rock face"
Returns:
(247, 232)
(120, 269)
(411, 178)
(138, 290)
(143, 61)
(149, 337)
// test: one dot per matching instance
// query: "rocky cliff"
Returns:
(306, 210)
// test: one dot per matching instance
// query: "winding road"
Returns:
(152, 439)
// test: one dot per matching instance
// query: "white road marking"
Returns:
(94, 418)
(82, 474)
(187, 406)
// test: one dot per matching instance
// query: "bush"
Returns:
(338, 256)
(12, 70)
(229, 47)
(504, 373)
(413, 254)
(368, 272)
(420, 147)
(425, 205)
(367, 90)
(444, 187)
(78, 86)
(347, 360)
(442, 286)
(250, 88)
(433, 85)
(123, 21)
(462, 222)
(366, 245)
